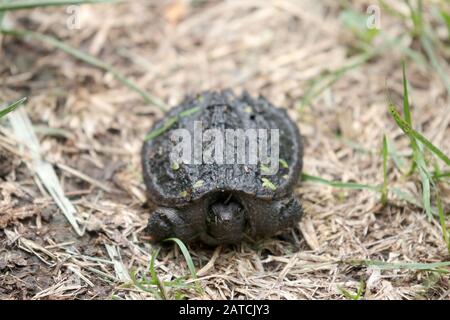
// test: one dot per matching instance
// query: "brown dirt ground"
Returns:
(88, 121)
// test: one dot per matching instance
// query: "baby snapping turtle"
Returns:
(213, 174)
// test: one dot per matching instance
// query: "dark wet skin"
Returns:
(232, 203)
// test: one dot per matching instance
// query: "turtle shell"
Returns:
(175, 183)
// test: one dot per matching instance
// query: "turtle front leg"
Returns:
(278, 215)
(168, 223)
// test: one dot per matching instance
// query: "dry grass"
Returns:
(91, 128)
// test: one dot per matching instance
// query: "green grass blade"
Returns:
(384, 189)
(356, 22)
(435, 266)
(407, 115)
(20, 5)
(406, 128)
(418, 152)
(393, 11)
(325, 81)
(429, 46)
(406, 197)
(416, 16)
(143, 285)
(425, 33)
(186, 254)
(354, 145)
(445, 232)
(154, 285)
(406, 109)
(353, 296)
(442, 175)
(426, 192)
(154, 275)
(338, 184)
(396, 156)
(361, 287)
(446, 17)
(426, 181)
(396, 43)
(87, 59)
(188, 112)
(170, 122)
(3, 13)
(12, 107)
(347, 294)
(152, 266)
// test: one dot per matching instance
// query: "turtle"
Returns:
(215, 201)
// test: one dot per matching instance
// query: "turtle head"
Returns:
(226, 222)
